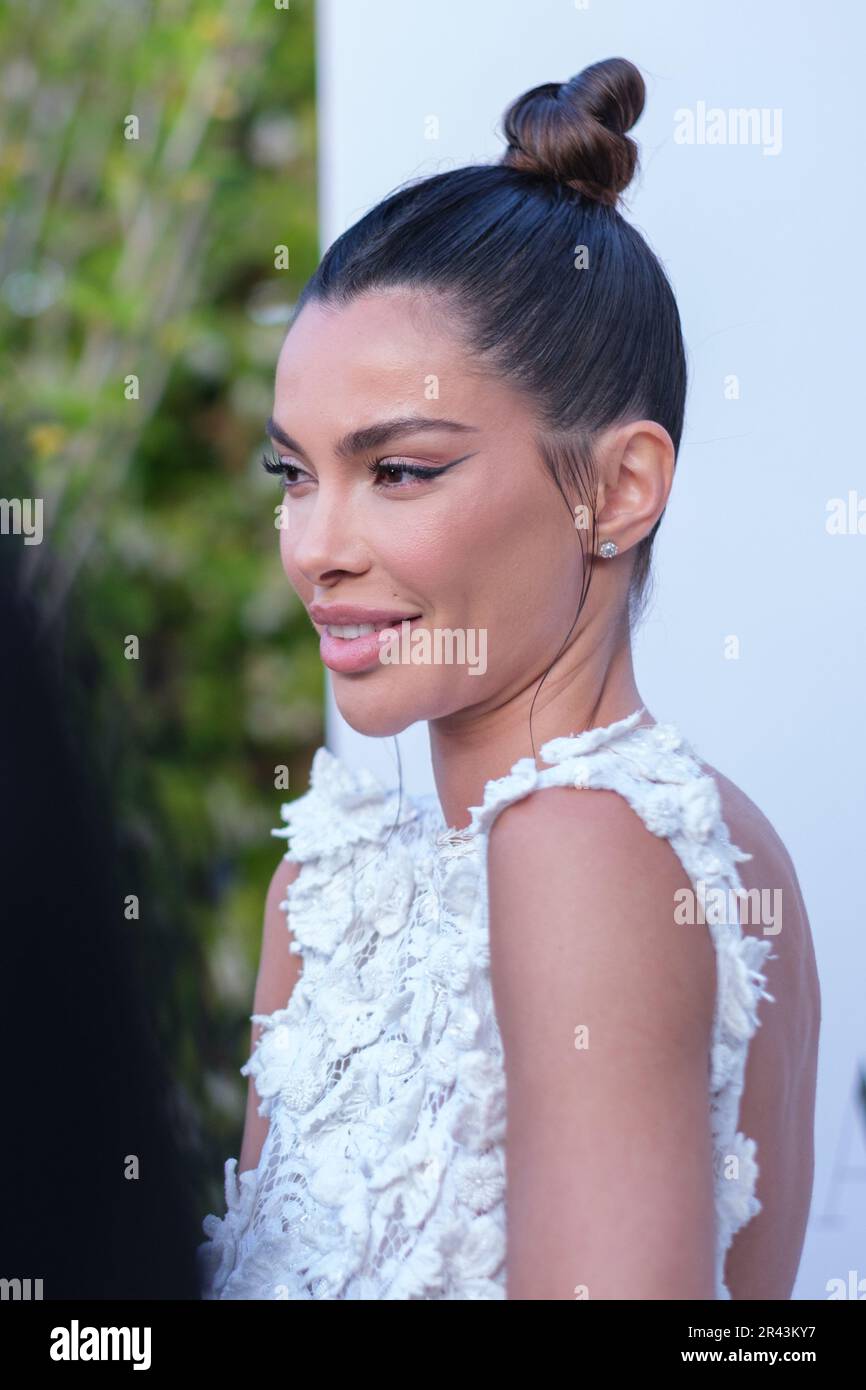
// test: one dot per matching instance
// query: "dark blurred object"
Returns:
(85, 1084)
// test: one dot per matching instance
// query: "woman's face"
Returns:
(486, 554)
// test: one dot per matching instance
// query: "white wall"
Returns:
(764, 252)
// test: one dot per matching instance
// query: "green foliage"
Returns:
(154, 258)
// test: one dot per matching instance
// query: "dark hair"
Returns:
(590, 347)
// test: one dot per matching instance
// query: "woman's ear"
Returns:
(635, 474)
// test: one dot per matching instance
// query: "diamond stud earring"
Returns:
(607, 549)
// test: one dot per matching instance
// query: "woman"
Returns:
(477, 412)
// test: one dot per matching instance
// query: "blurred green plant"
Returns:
(154, 156)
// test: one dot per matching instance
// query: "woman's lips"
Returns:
(349, 654)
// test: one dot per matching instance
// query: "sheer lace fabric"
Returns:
(382, 1175)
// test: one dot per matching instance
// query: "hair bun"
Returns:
(575, 131)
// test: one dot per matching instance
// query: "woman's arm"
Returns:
(278, 971)
(605, 1007)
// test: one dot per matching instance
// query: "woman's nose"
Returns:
(323, 535)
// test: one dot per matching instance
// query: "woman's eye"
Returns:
(289, 473)
(388, 475)
(391, 472)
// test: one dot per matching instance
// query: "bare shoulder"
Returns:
(746, 820)
(771, 873)
(605, 1007)
(574, 873)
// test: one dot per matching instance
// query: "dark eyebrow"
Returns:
(373, 436)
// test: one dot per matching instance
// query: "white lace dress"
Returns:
(382, 1173)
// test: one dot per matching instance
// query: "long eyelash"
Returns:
(413, 471)
(272, 464)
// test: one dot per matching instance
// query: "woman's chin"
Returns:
(370, 710)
